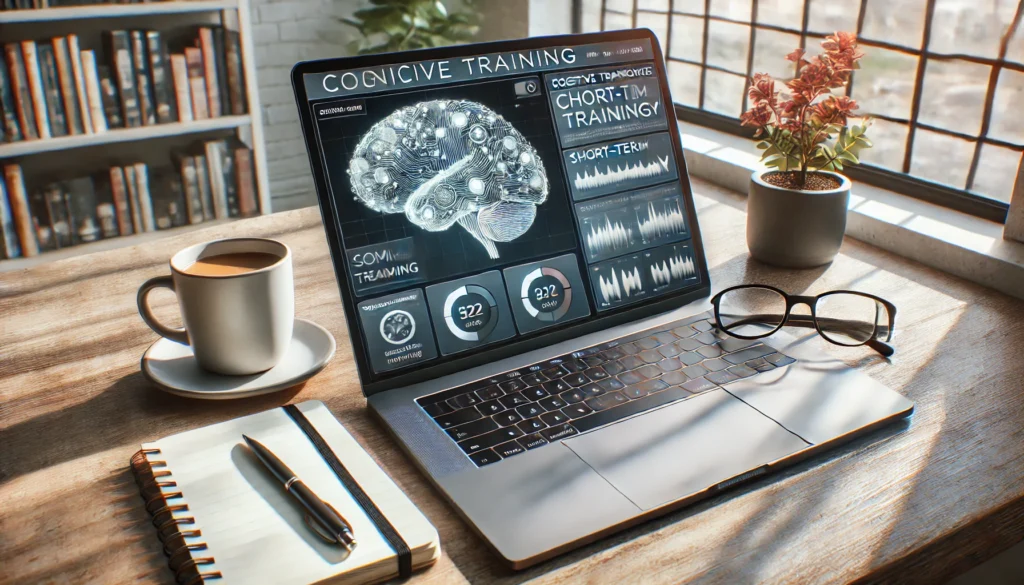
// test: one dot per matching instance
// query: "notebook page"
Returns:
(255, 530)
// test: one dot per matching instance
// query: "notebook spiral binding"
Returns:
(183, 557)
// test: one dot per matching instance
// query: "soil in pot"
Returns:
(815, 181)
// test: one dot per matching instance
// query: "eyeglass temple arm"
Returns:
(807, 321)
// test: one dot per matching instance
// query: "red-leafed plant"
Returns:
(805, 129)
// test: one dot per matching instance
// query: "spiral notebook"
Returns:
(224, 519)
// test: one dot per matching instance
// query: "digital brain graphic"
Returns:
(444, 162)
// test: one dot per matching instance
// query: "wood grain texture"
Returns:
(916, 503)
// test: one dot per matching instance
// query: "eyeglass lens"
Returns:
(849, 319)
(751, 312)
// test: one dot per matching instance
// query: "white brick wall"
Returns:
(284, 33)
(288, 31)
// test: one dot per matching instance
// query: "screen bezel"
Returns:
(373, 383)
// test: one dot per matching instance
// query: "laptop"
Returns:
(520, 263)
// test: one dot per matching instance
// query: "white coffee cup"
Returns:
(236, 324)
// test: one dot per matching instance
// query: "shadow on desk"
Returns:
(128, 412)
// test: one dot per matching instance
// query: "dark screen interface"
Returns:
(491, 197)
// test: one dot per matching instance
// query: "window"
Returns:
(942, 79)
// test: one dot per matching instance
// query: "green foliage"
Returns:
(399, 25)
(784, 152)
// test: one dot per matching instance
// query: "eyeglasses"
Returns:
(842, 317)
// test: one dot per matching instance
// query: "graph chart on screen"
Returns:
(608, 237)
(661, 220)
(592, 178)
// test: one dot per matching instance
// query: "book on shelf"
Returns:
(93, 92)
(78, 75)
(68, 92)
(22, 215)
(133, 199)
(59, 215)
(11, 130)
(168, 202)
(51, 91)
(222, 70)
(119, 193)
(22, 93)
(43, 221)
(35, 86)
(163, 84)
(208, 50)
(119, 51)
(197, 83)
(145, 198)
(80, 194)
(205, 190)
(106, 209)
(182, 89)
(193, 197)
(215, 164)
(235, 71)
(111, 102)
(10, 247)
(147, 104)
(245, 178)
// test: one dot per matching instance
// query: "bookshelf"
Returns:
(114, 11)
(153, 142)
(27, 147)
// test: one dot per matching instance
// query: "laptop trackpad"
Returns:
(684, 448)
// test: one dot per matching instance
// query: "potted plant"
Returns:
(796, 211)
(400, 25)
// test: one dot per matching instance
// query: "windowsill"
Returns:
(948, 240)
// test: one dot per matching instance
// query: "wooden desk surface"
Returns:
(916, 503)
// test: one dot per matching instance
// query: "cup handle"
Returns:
(179, 335)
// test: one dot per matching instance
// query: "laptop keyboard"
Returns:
(528, 408)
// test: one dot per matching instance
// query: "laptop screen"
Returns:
(482, 197)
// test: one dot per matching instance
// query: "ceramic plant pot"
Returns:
(794, 228)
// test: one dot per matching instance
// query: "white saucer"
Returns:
(172, 367)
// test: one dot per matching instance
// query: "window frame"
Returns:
(903, 182)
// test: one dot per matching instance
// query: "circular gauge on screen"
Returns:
(546, 294)
(397, 327)
(470, 312)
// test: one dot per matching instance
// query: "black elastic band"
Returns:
(376, 516)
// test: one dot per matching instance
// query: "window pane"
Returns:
(615, 21)
(687, 37)
(728, 44)
(591, 15)
(684, 81)
(724, 93)
(770, 50)
(953, 95)
(889, 140)
(734, 9)
(941, 158)
(967, 27)
(997, 170)
(688, 6)
(658, 23)
(656, 5)
(885, 82)
(900, 22)
(787, 13)
(828, 16)
(1015, 50)
(619, 6)
(1007, 122)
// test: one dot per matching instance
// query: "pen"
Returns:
(325, 516)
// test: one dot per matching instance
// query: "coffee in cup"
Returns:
(237, 303)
